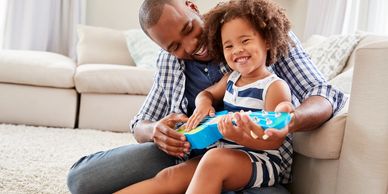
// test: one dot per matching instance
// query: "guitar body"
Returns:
(207, 132)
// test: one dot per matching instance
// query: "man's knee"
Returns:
(77, 179)
(74, 179)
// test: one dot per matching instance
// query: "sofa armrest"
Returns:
(364, 156)
(324, 142)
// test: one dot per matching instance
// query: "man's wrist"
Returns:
(143, 131)
(293, 123)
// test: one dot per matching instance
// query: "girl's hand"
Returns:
(198, 115)
(230, 131)
(276, 133)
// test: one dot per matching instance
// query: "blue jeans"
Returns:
(112, 170)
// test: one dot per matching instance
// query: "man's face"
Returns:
(179, 31)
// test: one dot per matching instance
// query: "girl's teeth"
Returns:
(242, 59)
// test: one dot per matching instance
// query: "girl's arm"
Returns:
(278, 92)
(205, 101)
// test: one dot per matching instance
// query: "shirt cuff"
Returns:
(336, 98)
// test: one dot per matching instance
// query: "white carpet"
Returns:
(37, 159)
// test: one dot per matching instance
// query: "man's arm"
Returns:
(153, 109)
(154, 122)
(319, 101)
(311, 114)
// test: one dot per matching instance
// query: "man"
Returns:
(183, 71)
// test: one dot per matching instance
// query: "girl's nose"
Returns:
(237, 50)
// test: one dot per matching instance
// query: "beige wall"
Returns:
(123, 14)
(117, 14)
(296, 11)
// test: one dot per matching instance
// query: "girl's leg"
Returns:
(174, 179)
(221, 169)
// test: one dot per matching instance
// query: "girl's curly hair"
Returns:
(265, 16)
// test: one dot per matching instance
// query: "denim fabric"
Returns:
(112, 170)
(109, 171)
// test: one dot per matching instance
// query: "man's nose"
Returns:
(190, 45)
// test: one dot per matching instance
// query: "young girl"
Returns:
(248, 35)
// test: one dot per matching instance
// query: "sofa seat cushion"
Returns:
(36, 68)
(113, 79)
(324, 142)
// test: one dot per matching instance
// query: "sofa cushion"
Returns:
(324, 142)
(114, 79)
(102, 45)
(142, 49)
(343, 81)
(36, 68)
(330, 54)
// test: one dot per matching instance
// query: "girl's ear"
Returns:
(192, 5)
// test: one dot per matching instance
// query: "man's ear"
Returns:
(192, 5)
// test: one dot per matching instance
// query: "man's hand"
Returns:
(167, 138)
(282, 133)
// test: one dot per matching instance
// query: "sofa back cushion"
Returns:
(102, 45)
(142, 49)
(330, 54)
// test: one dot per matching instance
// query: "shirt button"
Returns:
(206, 70)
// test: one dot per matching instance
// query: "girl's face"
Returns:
(245, 50)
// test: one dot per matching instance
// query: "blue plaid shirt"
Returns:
(167, 93)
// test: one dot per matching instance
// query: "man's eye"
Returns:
(189, 28)
(176, 47)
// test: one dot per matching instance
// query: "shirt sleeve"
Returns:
(304, 79)
(155, 105)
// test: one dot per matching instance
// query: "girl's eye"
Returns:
(245, 41)
(228, 46)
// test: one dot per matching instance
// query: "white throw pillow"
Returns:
(102, 45)
(330, 54)
(142, 49)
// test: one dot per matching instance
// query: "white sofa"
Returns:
(102, 90)
(348, 154)
(37, 88)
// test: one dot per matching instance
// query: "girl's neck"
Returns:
(250, 78)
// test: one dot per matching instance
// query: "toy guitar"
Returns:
(207, 132)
